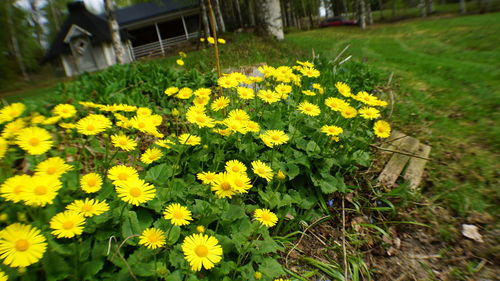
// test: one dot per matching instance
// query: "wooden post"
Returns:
(159, 38)
(185, 27)
(214, 33)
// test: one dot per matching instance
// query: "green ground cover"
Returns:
(448, 73)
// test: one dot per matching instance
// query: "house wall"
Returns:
(100, 56)
(109, 53)
(68, 65)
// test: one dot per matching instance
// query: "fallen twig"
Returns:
(401, 152)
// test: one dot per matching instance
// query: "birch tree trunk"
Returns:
(15, 42)
(463, 7)
(218, 16)
(204, 18)
(430, 7)
(423, 8)
(114, 29)
(238, 12)
(369, 16)
(361, 14)
(251, 12)
(269, 18)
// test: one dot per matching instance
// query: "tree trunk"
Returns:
(55, 16)
(381, 8)
(283, 14)
(463, 7)
(369, 16)
(251, 12)
(333, 5)
(238, 12)
(204, 18)
(114, 29)
(36, 20)
(269, 19)
(430, 7)
(218, 16)
(344, 5)
(361, 14)
(15, 42)
(423, 8)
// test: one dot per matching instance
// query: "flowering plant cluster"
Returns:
(208, 190)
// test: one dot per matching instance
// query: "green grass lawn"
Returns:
(448, 94)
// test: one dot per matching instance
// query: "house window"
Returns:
(171, 29)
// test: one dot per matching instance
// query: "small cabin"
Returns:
(147, 29)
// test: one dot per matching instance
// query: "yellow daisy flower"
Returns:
(93, 124)
(348, 112)
(88, 207)
(262, 170)
(235, 166)
(151, 155)
(196, 116)
(309, 108)
(308, 93)
(265, 217)
(12, 189)
(91, 182)
(369, 113)
(67, 224)
(54, 166)
(3, 277)
(281, 175)
(206, 177)
(41, 191)
(203, 92)
(310, 72)
(266, 70)
(166, 143)
(144, 111)
(184, 93)
(152, 238)
(13, 128)
(336, 104)
(170, 91)
(189, 139)
(220, 103)
(274, 137)
(227, 82)
(179, 62)
(11, 112)
(343, 89)
(4, 145)
(177, 214)
(121, 173)
(222, 186)
(240, 182)
(252, 126)
(221, 41)
(64, 110)
(21, 245)
(332, 130)
(201, 250)
(34, 140)
(123, 141)
(268, 96)
(245, 93)
(382, 129)
(135, 191)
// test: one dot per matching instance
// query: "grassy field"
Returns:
(448, 92)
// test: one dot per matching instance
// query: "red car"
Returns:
(336, 21)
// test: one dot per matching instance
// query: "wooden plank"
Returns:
(415, 168)
(398, 161)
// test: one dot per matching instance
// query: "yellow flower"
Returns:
(11, 112)
(13, 128)
(235, 166)
(64, 110)
(220, 103)
(308, 93)
(310, 72)
(305, 63)
(281, 175)
(182, 54)
(235, 125)
(152, 238)
(201, 250)
(170, 91)
(227, 82)
(41, 191)
(67, 125)
(52, 120)
(67, 224)
(200, 229)
(257, 275)
(164, 143)
(88, 207)
(189, 139)
(3, 147)
(124, 142)
(274, 137)
(3, 277)
(252, 126)
(184, 93)
(343, 89)
(13, 188)
(121, 173)
(177, 214)
(135, 191)
(369, 113)
(309, 108)
(245, 93)
(211, 40)
(240, 182)
(268, 96)
(206, 177)
(151, 155)
(91, 182)
(145, 124)
(281, 279)
(175, 112)
(93, 124)
(332, 130)
(262, 170)
(221, 41)
(196, 116)
(180, 62)
(222, 186)
(283, 90)
(54, 166)
(319, 88)
(21, 245)
(144, 111)
(336, 104)
(382, 129)
(348, 112)
(34, 140)
(203, 92)
(265, 217)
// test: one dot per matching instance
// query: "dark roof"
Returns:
(78, 15)
(143, 11)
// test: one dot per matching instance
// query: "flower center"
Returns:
(142, 125)
(261, 171)
(68, 225)
(91, 182)
(153, 238)
(13, 113)
(40, 190)
(177, 215)
(90, 127)
(123, 142)
(201, 251)
(18, 189)
(275, 138)
(22, 245)
(265, 217)
(34, 141)
(51, 170)
(123, 176)
(225, 186)
(135, 192)
(87, 207)
(235, 169)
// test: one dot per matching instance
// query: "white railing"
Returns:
(158, 48)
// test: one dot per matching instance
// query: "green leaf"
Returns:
(312, 148)
(271, 268)
(130, 226)
(292, 170)
(233, 213)
(91, 268)
(159, 173)
(173, 234)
